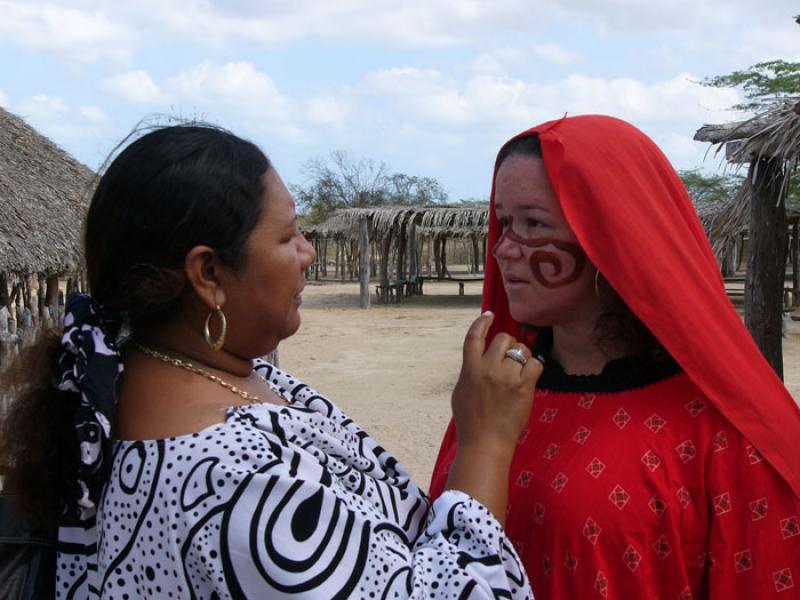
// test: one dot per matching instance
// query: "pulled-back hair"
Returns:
(171, 189)
(616, 328)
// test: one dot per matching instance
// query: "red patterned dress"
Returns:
(654, 479)
(631, 484)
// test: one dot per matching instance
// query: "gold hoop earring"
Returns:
(597, 284)
(220, 341)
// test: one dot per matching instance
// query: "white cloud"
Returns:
(86, 35)
(42, 106)
(234, 86)
(3, 99)
(56, 119)
(326, 111)
(94, 114)
(404, 81)
(134, 86)
(95, 30)
(557, 55)
(491, 100)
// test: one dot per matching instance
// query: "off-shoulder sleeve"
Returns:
(296, 535)
(754, 539)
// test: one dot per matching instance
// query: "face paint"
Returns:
(548, 251)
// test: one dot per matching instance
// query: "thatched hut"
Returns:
(770, 143)
(378, 235)
(44, 195)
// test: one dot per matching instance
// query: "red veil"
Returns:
(633, 217)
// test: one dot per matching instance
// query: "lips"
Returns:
(514, 280)
(299, 294)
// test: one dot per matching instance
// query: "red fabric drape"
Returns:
(633, 217)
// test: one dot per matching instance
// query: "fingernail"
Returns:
(487, 313)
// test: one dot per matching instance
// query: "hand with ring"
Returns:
(517, 354)
(491, 404)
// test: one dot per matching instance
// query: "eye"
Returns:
(533, 223)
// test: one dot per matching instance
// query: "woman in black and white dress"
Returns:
(178, 465)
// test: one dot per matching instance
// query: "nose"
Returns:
(505, 249)
(308, 252)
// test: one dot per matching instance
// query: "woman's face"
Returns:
(263, 298)
(547, 277)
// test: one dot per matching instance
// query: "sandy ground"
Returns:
(392, 367)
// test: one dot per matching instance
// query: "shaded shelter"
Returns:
(392, 242)
(44, 195)
(769, 143)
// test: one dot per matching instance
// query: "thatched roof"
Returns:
(773, 133)
(450, 221)
(43, 198)
(724, 222)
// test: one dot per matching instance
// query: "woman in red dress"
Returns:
(661, 459)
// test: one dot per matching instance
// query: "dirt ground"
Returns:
(392, 368)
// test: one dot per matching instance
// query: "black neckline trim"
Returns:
(619, 375)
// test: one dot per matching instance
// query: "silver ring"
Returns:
(517, 355)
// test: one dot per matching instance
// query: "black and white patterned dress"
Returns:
(278, 502)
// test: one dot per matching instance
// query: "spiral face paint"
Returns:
(567, 259)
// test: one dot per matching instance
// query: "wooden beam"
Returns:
(766, 264)
(413, 266)
(795, 254)
(4, 295)
(384, 274)
(726, 132)
(363, 264)
(51, 295)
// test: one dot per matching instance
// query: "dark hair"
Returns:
(525, 146)
(171, 189)
(616, 327)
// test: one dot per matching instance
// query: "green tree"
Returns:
(704, 187)
(764, 84)
(341, 181)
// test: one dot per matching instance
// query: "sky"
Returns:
(430, 87)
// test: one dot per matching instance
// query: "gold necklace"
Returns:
(183, 364)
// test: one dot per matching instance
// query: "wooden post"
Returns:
(795, 253)
(385, 250)
(766, 264)
(437, 257)
(351, 262)
(363, 264)
(320, 259)
(443, 257)
(4, 297)
(428, 254)
(401, 253)
(412, 251)
(51, 295)
(325, 257)
(730, 258)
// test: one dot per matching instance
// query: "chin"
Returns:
(291, 326)
(522, 313)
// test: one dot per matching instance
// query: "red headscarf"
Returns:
(636, 223)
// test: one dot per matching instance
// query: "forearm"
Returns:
(481, 471)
